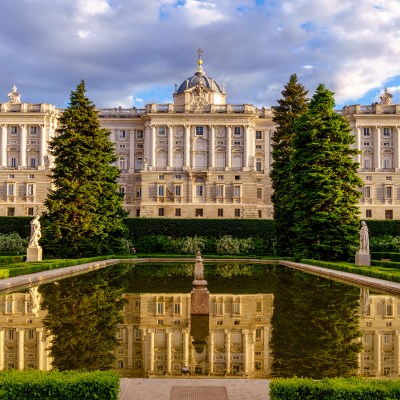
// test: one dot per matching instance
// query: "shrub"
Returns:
(191, 245)
(230, 245)
(385, 243)
(13, 243)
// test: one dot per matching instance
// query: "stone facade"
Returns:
(196, 157)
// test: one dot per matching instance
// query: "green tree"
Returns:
(84, 210)
(325, 184)
(292, 104)
(83, 314)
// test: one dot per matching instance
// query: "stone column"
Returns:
(152, 161)
(1, 349)
(358, 144)
(228, 351)
(377, 352)
(20, 347)
(211, 351)
(251, 353)
(211, 147)
(187, 147)
(130, 345)
(144, 350)
(22, 146)
(151, 350)
(170, 146)
(228, 146)
(266, 347)
(246, 147)
(3, 144)
(169, 350)
(48, 359)
(245, 340)
(186, 348)
(377, 149)
(40, 349)
(42, 146)
(267, 154)
(396, 346)
(132, 151)
(396, 145)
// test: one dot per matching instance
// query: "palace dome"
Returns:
(194, 80)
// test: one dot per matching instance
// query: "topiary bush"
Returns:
(12, 243)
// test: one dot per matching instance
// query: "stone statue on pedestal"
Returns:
(34, 251)
(362, 256)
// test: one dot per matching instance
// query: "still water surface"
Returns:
(264, 320)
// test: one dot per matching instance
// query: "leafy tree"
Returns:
(85, 215)
(83, 314)
(292, 104)
(315, 327)
(325, 183)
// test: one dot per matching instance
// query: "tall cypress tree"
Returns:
(325, 182)
(85, 214)
(292, 104)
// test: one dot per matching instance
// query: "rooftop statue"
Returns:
(14, 96)
(386, 98)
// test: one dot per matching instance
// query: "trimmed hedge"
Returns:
(20, 225)
(40, 385)
(333, 389)
(385, 271)
(7, 260)
(385, 255)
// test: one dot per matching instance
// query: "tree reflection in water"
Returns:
(83, 313)
(315, 327)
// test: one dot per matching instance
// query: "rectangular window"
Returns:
(11, 189)
(258, 165)
(122, 164)
(161, 177)
(139, 134)
(388, 178)
(220, 191)
(367, 192)
(219, 308)
(10, 212)
(160, 190)
(138, 192)
(121, 189)
(13, 162)
(178, 190)
(386, 132)
(259, 213)
(366, 163)
(236, 191)
(258, 334)
(259, 146)
(367, 132)
(259, 193)
(30, 334)
(259, 135)
(161, 131)
(9, 307)
(178, 212)
(160, 308)
(236, 131)
(33, 130)
(388, 214)
(177, 308)
(258, 306)
(199, 190)
(237, 212)
(178, 177)
(368, 213)
(122, 134)
(237, 177)
(368, 178)
(139, 163)
(160, 212)
(220, 177)
(220, 212)
(389, 310)
(237, 142)
(32, 162)
(388, 192)
(236, 308)
(10, 334)
(199, 131)
(13, 130)
(30, 211)
(198, 212)
(11, 176)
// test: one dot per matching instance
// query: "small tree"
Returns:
(292, 104)
(325, 183)
(85, 215)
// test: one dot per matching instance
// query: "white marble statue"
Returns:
(364, 238)
(36, 233)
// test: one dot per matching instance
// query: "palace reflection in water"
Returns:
(159, 336)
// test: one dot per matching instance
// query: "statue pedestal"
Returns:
(363, 258)
(34, 254)
(200, 298)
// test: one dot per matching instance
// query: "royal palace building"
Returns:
(196, 157)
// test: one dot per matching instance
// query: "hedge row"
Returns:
(39, 385)
(17, 269)
(333, 389)
(388, 271)
(385, 255)
(7, 260)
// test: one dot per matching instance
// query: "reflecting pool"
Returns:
(263, 321)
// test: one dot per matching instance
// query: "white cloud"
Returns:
(83, 34)
(93, 7)
(138, 100)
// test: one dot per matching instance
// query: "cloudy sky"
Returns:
(132, 52)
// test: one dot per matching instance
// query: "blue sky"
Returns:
(132, 52)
